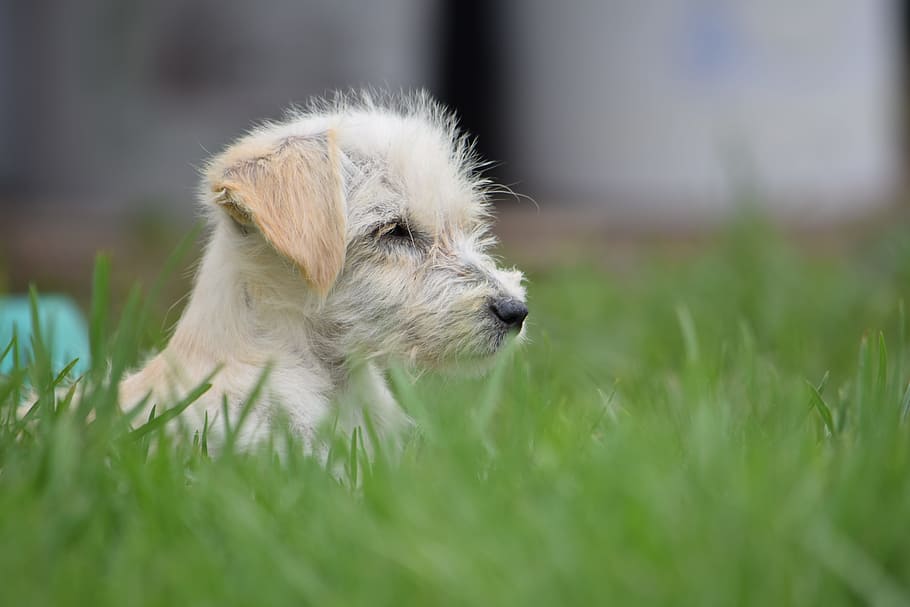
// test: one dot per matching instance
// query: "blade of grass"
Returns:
(863, 379)
(167, 270)
(411, 402)
(489, 401)
(246, 407)
(818, 403)
(11, 386)
(899, 355)
(687, 329)
(100, 309)
(41, 365)
(14, 342)
(352, 459)
(136, 409)
(881, 381)
(205, 435)
(905, 405)
(62, 375)
(169, 414)
(868, 578)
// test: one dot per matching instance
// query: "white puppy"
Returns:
(350, 237)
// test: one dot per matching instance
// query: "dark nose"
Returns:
(510, 311)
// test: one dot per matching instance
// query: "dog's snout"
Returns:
(510, 311)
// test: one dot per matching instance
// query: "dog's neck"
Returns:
(248, 308)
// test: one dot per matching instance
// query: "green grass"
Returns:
(726, 428)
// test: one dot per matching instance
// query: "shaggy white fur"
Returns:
(351, 236)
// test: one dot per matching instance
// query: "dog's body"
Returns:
(343, 240)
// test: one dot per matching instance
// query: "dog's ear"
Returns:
(292, 192)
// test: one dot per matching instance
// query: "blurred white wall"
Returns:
(121, 101)
(665, 110)
(670, 108)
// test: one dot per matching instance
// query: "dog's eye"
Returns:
(395, 230)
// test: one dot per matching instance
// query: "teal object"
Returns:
(62, 325)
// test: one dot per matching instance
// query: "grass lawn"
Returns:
(724, 428)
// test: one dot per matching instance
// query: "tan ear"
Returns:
(292, 193)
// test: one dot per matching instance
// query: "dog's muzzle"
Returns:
(510, 312)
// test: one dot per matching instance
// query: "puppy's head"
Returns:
(381, 214)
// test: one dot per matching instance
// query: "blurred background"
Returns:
(628, 122)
